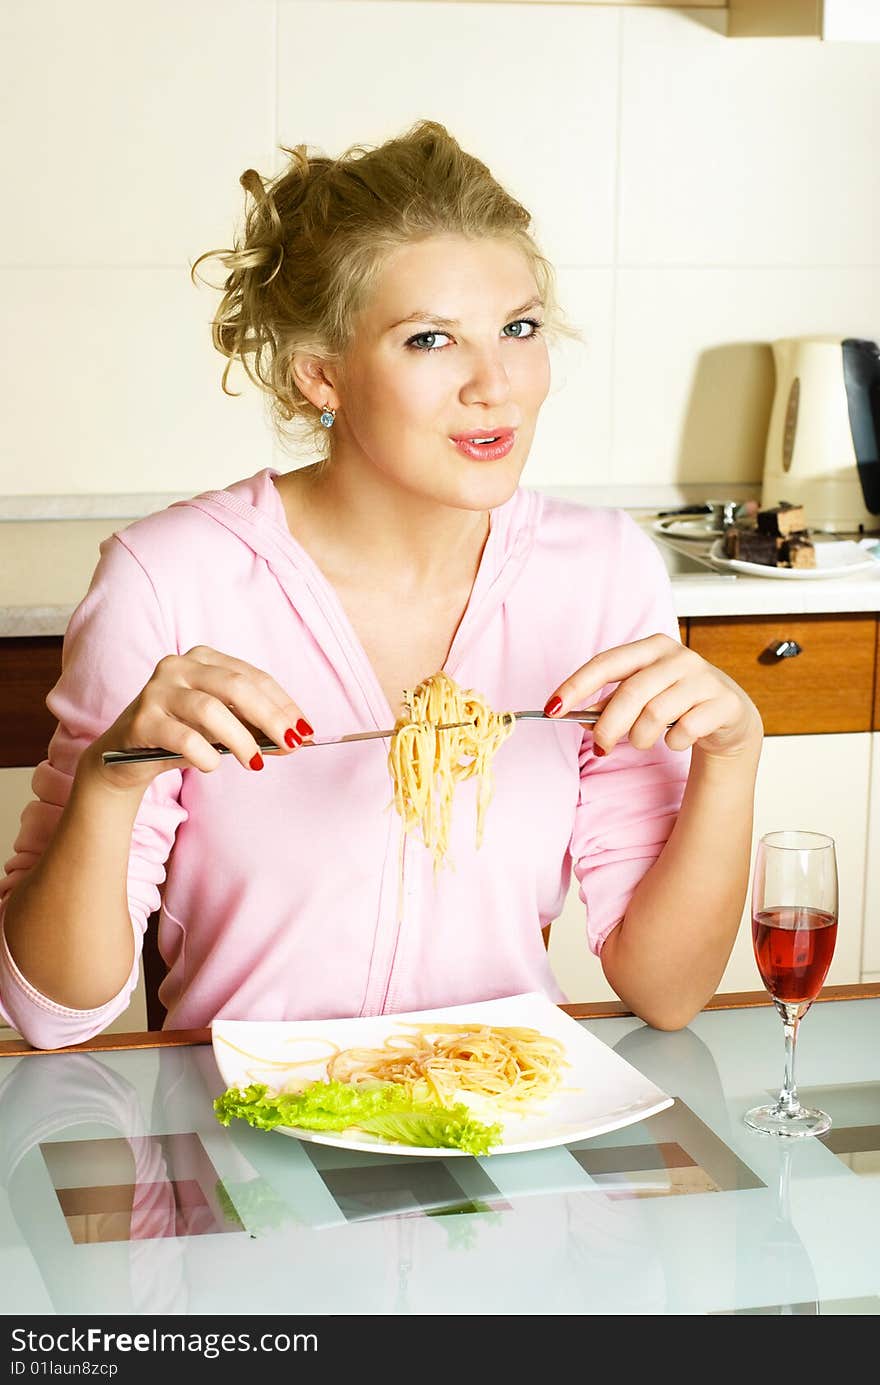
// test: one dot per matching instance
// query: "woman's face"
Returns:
(446, 346)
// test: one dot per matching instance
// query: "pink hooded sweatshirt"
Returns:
(293, 893)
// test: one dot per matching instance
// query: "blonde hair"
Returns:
(316, 238)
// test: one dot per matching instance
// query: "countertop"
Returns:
(701, 590)
(46, 566)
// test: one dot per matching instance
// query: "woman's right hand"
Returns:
(190, 701)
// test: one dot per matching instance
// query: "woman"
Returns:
(397, 297)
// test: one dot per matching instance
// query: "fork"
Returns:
(133, 757)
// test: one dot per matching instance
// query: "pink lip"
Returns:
(499, 433)
(486, 452)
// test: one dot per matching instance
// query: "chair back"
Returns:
(154, 974)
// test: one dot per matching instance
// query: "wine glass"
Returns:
(794, 929)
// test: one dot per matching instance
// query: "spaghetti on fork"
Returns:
(426, 764)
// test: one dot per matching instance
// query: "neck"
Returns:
(354, 522)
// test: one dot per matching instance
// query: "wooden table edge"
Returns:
(579, 1010)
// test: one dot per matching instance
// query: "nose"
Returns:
(487, 380)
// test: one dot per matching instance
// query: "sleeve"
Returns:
(112, 644)
(628, 801)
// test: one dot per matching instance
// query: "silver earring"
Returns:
(328, 417)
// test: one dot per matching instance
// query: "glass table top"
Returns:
(121, 1193)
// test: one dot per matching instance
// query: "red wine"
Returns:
(793, 948)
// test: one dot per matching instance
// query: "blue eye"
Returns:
(525, 322)
(425, 336)
(431, 337)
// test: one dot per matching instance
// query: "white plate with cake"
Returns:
(778, 543)
(833, 558)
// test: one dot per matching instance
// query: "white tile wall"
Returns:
(699, 195)
(572, 444)
(511, 82)
(746, 151)
(112, 384)
(127, 126)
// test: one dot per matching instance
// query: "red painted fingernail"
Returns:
(257, 761)
(553, 706)
(291, 738)
(597, 749)
(303, 727)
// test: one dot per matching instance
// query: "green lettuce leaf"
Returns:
(452, 1128)
(382, 1109)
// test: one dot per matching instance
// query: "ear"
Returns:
(316, 379)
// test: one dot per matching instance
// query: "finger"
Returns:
(186, 741)
(629, 701)
(666, 707)
(260, 679)
(718, 717)
(256, 700)
(696, 723)
(639, 697)
(611, 666)
(205, 714)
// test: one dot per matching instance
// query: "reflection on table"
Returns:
(123, 1194)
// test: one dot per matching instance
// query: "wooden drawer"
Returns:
(829, 686)
(29, 669)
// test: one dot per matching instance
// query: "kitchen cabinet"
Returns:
(824, 19)
(847, 20)
(620, 4)
(871, 930)
(828, 686)
(15, 792)
(29, 667)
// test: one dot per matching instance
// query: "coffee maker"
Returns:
(823, 442)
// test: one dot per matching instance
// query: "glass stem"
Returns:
(788, 1097)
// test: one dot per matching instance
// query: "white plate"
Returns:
(836, 558)
(600, 1091)
(700, 527)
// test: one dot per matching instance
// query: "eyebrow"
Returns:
(420, 316)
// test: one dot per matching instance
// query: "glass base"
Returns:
(775, 1120)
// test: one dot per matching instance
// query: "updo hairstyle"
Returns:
(315, 240)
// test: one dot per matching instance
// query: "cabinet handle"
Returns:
(780, 649)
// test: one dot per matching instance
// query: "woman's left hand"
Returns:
(665, 691)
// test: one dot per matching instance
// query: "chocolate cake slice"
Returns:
(783, 520)
(750, 546)
(797, 551)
